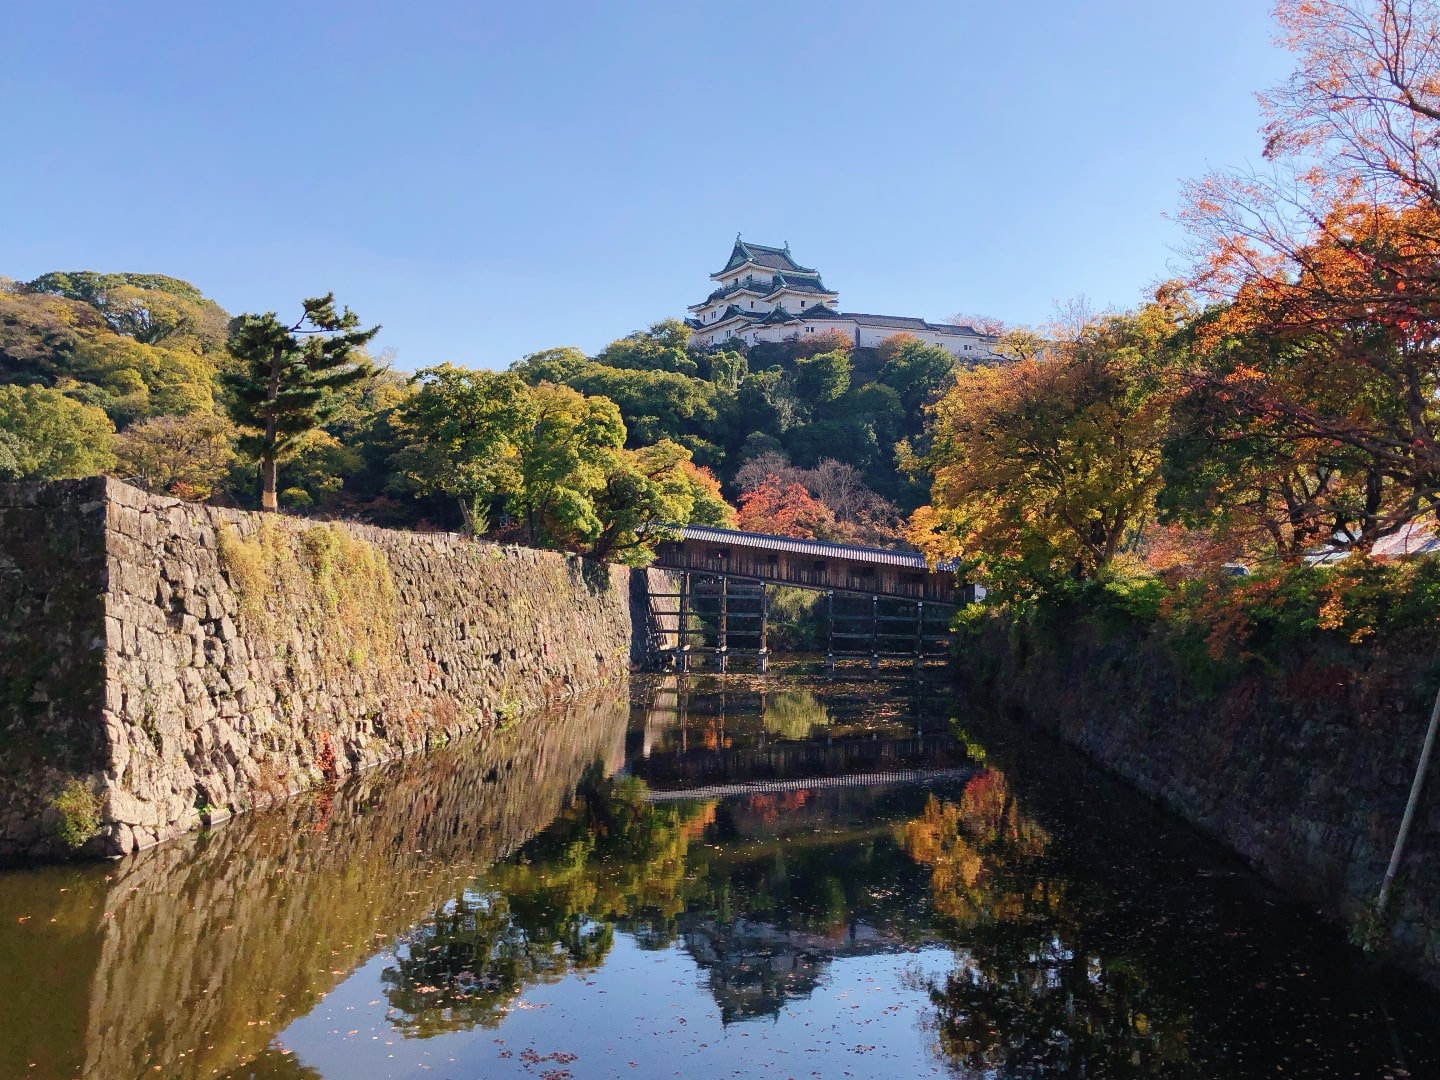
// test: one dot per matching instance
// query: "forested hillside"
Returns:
(138, 375)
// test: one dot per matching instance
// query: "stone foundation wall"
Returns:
(185, 662)
(1303, 771)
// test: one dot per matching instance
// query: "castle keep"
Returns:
(762, 294)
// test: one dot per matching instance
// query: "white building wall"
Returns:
(964, 347)
(790, 301)
(760, 277)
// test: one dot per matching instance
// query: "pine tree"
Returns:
(287, 377)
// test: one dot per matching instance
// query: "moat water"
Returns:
(787, 877)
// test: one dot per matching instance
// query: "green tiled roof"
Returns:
(772, 258)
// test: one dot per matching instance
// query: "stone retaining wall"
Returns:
(1303, 771)
(185, 662)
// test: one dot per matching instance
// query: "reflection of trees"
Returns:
(462, 968)
(609, 854)
(547, 911)
(1027, 996)
(794, 714)
(185, 960)
(762, 904)
(956, 839)
(272, 1064)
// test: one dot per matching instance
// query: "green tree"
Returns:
(10, 451)
(131, 380)
(468, 427)
(54, 340)
(648, 492)
(823, 377)
(552, 365)
(655, 402)
(49, 436)
(917, 372)
(663, 347)
(287, 377)
(565, 454)
(1232, 469)
(151, 308)
(352, 472)
(728, 368)
(186, 456)
(38, 334)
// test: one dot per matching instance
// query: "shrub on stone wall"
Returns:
(79, 810)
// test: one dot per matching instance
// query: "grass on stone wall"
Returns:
(338, 586)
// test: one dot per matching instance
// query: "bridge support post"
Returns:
(875, 634)
(764, 655)
(723, 655)
(682, 644)
(919, 635)
(830, 629)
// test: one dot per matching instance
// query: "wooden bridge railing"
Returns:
(835, 575)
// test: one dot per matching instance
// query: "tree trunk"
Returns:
(268, 501)
(268, 469)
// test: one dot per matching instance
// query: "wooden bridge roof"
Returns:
(823, 549)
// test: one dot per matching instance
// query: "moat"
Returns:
(787, 877)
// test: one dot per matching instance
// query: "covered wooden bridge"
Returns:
(879, 603)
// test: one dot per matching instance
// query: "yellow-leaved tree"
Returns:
(1047, 465)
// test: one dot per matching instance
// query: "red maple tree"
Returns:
(782, 509)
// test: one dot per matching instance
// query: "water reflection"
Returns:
(1026, 996)
(193, 955)
(548, 912)
(871, 892)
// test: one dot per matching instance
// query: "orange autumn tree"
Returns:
(1047, 466)
(1309, 417)
(1312, 417)
(782, 509)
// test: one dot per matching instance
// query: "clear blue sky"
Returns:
(490, 179)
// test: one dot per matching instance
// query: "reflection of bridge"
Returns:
(878, 603)
(814, 783)
(785, 760)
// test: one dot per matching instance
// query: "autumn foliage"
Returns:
(1046, 465)
(1316, 373)
(1281, 402)
(782, 509)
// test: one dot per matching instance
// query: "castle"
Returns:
(764, 295)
